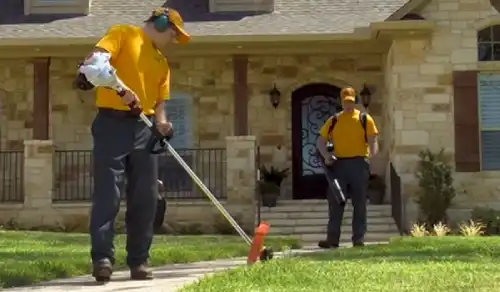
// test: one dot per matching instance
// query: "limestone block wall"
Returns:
(209, 80)
(420, 94)
(273, 127)
(16, 103)
(16, 122)
(72, 111)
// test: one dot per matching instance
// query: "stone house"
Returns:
(431, 67)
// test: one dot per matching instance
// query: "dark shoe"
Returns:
(141, 272)
(327, 244)
(358, 244)
(102, 270)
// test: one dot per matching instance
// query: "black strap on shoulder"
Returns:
(362, 119)
(334, 122)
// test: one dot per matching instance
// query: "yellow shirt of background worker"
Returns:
(348, 135)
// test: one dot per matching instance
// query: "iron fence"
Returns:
(208, 163)
(72, 175)
(11, 176)
(74, 182)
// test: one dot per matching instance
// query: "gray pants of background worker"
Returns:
(355, 173)
(120, 142)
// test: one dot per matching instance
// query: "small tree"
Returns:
(436, 186)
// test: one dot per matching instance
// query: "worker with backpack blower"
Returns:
(354, 137)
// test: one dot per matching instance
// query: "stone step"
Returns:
(323, 221)
(291, 230)
(286, 203)
(322, 214)
(312, 239)
(374, 209)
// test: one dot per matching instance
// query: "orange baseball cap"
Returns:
(175, 18)
(349, 98)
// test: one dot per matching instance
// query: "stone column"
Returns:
(38, 182)
(407, 82)
(241, 176)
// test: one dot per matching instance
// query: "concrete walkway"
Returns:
(169, 278)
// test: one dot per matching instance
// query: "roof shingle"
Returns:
(290, 17)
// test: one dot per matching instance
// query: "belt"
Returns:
(119, 114)
(351, 158)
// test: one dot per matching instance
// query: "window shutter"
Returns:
(465, 104)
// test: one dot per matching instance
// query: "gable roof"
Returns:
(291, 17)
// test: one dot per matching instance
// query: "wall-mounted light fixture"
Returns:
(366, 96)
(275, 96)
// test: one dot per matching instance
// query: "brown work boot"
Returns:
(141, 272)
(102, 270)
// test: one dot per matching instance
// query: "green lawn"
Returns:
(31, 257)
(409, 264)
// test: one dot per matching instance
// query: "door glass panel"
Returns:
(315, 110)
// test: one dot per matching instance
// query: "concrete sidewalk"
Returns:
(169, 278)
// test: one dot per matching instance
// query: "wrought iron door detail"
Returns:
(315, 110)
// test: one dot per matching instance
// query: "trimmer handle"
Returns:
(158, 143)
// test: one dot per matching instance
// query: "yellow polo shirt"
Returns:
(139, 64)
(348, 135)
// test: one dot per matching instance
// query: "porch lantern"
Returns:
(275, 96)
(366, 96)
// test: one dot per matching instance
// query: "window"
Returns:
(174, 177)
(488, 44)
(179, 114)
(489, 120)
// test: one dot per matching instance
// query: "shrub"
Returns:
(188, 229)
(472, 228)
(490, 218)
(436, 187)
(441, 229)
(418, 230)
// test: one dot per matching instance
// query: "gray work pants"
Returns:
(354, 172)
(120, 152)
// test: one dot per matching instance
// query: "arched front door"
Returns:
(312, 105)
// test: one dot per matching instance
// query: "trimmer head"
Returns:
(257, 249)
(266, 254)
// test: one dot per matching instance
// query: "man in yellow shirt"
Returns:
(121, 139)
(354, 138)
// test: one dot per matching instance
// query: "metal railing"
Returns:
(208, 163)
(397, 204)
(74, 179)
(73, 175)
(257, 185)
(11, 176)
